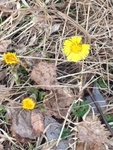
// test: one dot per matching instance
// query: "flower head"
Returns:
(11, 58)
(74, 49)
(28, 103)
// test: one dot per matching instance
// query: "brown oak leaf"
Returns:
(44, 74)
(57, 103)
(37, 121)
(25, 124)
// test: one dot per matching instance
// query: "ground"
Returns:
(69, 101)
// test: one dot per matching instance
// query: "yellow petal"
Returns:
(66, 50)
(76, 39)
(70, 56)
(85, 47)
(76, 58)
(67, 43)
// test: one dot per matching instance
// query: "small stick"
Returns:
(100, 111)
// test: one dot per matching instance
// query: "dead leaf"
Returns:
(53, 132)
(32, 40)
(54, 28)
(25, 124)
(93, 133)
(3, 45)
(53, 128)
(21, 124)
(82, 146)
(37, 121)
(95, 147)
(44, 74)
(57, 103)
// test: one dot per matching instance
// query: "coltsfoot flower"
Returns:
(74, 49)
(28, 103)
(11, 58)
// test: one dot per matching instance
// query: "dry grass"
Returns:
(30, 24)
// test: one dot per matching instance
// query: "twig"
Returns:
(100, 111)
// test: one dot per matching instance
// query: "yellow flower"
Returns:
(11, 58)
(28, 103)
(74, 49)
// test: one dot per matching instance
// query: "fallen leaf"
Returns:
(3, 45)
(54, 28)
(93, 133)
(53, 132)
(21, 124)
(57, 103)
(44, 74)
(32, 40)
(81, 146)
(37, 121)
(25, 124)
(95, 147)
(53, 128)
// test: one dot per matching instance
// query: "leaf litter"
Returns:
(37, 121)
(25, 125)
(44, 74)
(55, 21)
(59, 99)
(57, 103)
(52, 131)
(93, 133)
